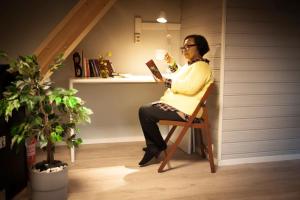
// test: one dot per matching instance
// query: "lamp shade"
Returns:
(162, 17)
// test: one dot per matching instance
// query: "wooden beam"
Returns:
(70, 31)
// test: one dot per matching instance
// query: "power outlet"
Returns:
(2, 142)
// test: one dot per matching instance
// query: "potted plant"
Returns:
(51, 115)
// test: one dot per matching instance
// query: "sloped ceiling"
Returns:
(70, 31)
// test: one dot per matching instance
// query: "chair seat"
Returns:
(180, 123)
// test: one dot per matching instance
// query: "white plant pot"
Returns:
(53, 185)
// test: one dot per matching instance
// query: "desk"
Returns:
(115, 103)
(125, 79)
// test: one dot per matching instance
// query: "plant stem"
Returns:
(46, 129)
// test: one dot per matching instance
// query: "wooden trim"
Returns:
(259, 159)
(221, 92)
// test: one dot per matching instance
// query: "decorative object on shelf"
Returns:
(105, 65)
(77, 67)
(104, 73)
(51, 114)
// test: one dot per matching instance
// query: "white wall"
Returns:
(262, 80)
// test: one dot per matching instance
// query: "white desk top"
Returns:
(124, 79)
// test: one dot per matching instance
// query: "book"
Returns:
(153, 68)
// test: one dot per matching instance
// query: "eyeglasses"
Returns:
(187, 47)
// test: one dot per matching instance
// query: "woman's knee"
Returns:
(144, 110)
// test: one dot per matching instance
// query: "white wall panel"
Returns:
(262, 100)
(262, 76)
(261, 146)
(263, 154)
(265, 134)
(262, 40)
(262, 64)
(261, 123)
(262, 52)
(261, 28)
(261, 114)
(262, 111)
(261, 89)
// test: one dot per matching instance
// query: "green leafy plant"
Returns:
(51, 113)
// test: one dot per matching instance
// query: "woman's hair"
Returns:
(201, 42)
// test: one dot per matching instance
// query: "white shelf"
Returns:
(127, 79)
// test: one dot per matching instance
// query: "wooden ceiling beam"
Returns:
(70, 31)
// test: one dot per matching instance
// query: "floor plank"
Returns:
(110, 171)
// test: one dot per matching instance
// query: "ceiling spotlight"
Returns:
(162, 17)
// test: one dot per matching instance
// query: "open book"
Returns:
(153, 68)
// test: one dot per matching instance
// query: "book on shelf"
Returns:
(93, 67)
(154, 69)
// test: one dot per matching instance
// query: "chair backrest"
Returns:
(202, 102)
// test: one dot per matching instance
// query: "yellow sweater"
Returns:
(189, 84)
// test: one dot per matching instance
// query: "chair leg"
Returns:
(209, 149)
(166, 140)
(202, 147)
(172, 149)
(170, 134)
(168, 163)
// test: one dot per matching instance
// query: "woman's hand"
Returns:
(159, 80)
(169, 59)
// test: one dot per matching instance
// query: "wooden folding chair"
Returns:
(203, 125)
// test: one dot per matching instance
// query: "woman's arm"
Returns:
(191, 82)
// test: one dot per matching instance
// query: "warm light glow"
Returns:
(162, 17)
(107, 178)
(160, 54)
(161, 20)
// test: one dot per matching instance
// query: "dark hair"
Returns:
(201, 42)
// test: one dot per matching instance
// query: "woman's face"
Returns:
(189, 49)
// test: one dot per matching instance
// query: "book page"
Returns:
(153, 68)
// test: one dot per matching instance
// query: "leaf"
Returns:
(77, 142)
(37, 121)
(19, 138)
(10, 107)
(13, 140)
(72, 102)
(42, 140)
(3, 54)
(55, 137)
(58, 100)
(59, 129)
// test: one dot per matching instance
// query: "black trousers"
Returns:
(149, 115)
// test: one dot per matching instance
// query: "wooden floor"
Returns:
(110, 171)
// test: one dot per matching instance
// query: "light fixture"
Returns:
(162, 17)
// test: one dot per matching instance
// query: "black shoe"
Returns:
(164, 148)
(149, 154)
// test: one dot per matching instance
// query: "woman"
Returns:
(185, 89)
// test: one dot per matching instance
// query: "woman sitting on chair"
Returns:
(185, 89)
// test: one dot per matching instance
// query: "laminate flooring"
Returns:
(111, 172)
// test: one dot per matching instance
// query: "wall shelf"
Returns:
(125, 79)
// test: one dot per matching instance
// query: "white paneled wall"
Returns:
(261, 115)
(205, 18)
